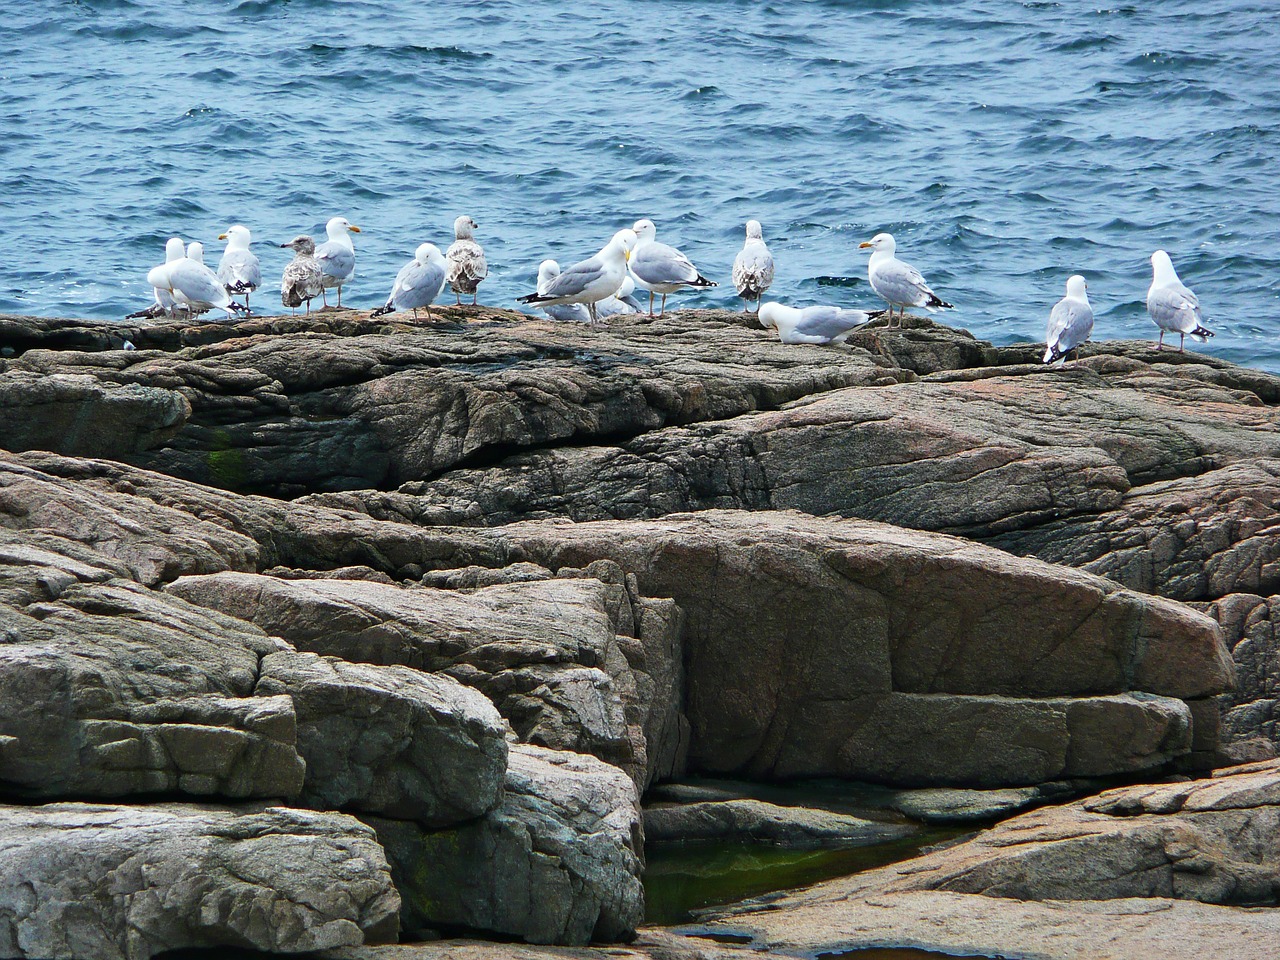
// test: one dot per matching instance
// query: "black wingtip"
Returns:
(937, 301)
(704, 282)
(533, 298)
(382, 311)
(1202, 333)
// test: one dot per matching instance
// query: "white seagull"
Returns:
(1173, 307)
(591, 280)
(820, 324)
(239, 269)
(467, 265)
(196, 288)
(661, 269)
(897, 282)
(337, 256)
(302, 278)
(753, 267)
(418, 283)
(1070, 322)
(157, 276)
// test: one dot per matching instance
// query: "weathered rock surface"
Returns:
(573, 664)
(1251, 713)
(748, 819)
(558, 862)
(82, 880)
(1099, 877)
(390, 740)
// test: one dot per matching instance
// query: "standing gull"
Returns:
(1173, 307)
(591, 280)
(337, 256)
(302, 279)
(467, 266)
(1070, 322)
(753, 267)
(195, 287)
(157, 276)
(239, 269)
(821, 324)
(548, 270)
(661, 269)
(418, 283)
(897, 282)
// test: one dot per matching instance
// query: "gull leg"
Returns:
(324, 298)
(475, 294)
(1182, 339)
(663, 309)
(457, 296)
(591, 309)
(1160, 342)
(415, 313)
(651, 303)
(339, 296)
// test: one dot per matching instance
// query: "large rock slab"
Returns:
(573, 664)
(749, 819)
(390, 740)
(558, 862)
(106, 882)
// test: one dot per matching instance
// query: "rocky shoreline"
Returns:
(322, 632)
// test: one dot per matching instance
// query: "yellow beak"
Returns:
(222, 236)
(865, 243)
(354, 228)
(626, 255)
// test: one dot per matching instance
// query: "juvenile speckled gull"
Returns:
(818, 324)
(661, 269)
(591, 280)
(753, 267)
(239, 269)
(196, 287)
(897, 282)
(1070, 322)
(1173, 307)
(418, 283)
(302, 278)
(163, 304)
(467, 265)
(337, 257)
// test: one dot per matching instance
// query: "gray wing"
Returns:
(1175, 308)
(753, 271)
(900, 282)
(577, 278)
(829, 322)
(568, 313)
(240, 268)
(196, 284)
(417, 285)
(1070, 323)
(658, 263)
(335, 260)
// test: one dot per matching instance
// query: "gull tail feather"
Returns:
(936, 302)
(383, 310)
(703, 282)
(1201, 334)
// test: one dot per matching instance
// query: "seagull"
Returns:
(821, 324)
(1173, 307)
(195, 287)
(753, 267)
(1070, 322)
(239, 269)
(592, 280)
(467, 266)
(548, 270)
(337, 256)
(303, 278)
(661, 269)
(899, 283)
(157, 277)
(418, 283)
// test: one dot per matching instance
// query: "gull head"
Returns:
(195, 251)
(548, 270)
(237, 237)
(1076, 288)
(426, 253)
(1162, 268)
(766, 316)
(174, 249)
(644, 230)
(301, 244)
(626, 240)
(627, 289)
(464, 228)
(338, 227)
(880, 242)
(753, 230)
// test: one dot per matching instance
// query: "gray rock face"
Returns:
(557, 862)
(748, 819)
(390, 740)
(1251, 714)
(573, 664)
(81, 880)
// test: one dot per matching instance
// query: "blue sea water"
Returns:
(1006, 144)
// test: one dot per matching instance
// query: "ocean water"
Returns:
(1006, 144)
